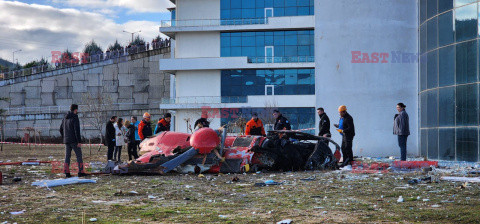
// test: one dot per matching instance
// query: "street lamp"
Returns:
(132, 33)
(13, 55)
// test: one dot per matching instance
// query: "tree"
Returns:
(2, 122)
(158, 38)
(92, 48)
(97, 107)
(115, 47)
(137, 41)
(35, 63)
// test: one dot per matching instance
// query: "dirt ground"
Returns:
(332, 197)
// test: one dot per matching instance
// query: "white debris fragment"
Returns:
(435, 206)
(400, 199)
(222, 216)
(286, 221)
(151, 197)
(93, 220)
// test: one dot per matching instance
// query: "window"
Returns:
(286, 46)
(466, 62)
(466, 22)
(444, 5)
(246, 9)
(446, 63)
(445, 29)
(446, 144)
(466, 105)
(432, 41)
(432, 70)
(432, 144)
(267, 82)
(467, 144)
(446, 109)
(431, 8)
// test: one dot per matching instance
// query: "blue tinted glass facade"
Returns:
(245, 9)
(252, 44)
(449, 90)
(299, 118)
(253, 82)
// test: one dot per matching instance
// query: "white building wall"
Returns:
(198, 83)
(369, 90)
(195, 9)
(197, 45)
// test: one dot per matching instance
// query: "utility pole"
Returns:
(13, 55)
(132, 33)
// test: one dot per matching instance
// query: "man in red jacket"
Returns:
(145, 128)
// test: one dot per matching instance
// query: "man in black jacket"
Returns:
(347, 130)
(110, 137)
(70, 131)
(324, 124)
(281, 123)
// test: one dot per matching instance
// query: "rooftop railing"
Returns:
(294, 59)
(213, 22)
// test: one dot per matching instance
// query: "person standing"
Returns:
(163, 124)
(119, 139)
(324, 124)
(255, 126)
(130, 137)
(401, 128)
(346, 128)
(110, 137)
(145, 128)
(281, 123)
(70, 131)
(135, 123)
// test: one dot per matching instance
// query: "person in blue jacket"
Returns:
(135, 123)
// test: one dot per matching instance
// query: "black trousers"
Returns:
(111, 148)
(117, 153)
(68, 155)
(132, 151)
(347, 151)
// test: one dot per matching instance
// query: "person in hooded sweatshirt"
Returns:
(70, 131)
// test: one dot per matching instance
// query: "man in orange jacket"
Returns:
(145, 128)
(255, 126)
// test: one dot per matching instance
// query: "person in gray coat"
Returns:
(401, 128)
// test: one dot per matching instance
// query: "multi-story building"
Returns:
(238, 57)
(297, 55)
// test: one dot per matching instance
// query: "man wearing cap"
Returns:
(347, 129)
(145, 128)
(281, 123)
(163, 124)
(255, 126)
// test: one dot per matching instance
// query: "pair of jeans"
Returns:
(132, 151)
(347, 151)
(402, 143)
(117, 153)
(68, 155)
(111, 148)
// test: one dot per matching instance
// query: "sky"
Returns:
(39, 27)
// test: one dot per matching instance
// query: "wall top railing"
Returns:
(213, 22)
(104, 56)
(64, 108)
(205, 100)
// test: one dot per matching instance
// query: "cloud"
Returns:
(40, 29)
(131, 5)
